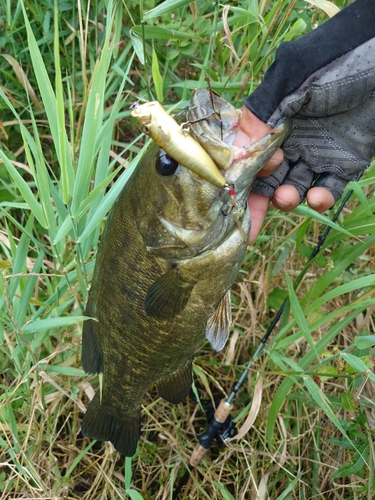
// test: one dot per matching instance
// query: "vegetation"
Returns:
(69, 71)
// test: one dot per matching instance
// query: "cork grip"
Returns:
(221, 414)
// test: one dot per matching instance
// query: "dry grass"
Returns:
(51, 460)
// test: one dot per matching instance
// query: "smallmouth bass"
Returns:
(169, 254)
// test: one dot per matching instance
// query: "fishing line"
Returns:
(221, 423)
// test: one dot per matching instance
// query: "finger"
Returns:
(252, 126)
(333, 183)
(301, 178)
(320, 199)
(241, 140)
(286, 198)
(266, 186)
(258, 206)
(272, 164)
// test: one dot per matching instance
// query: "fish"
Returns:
(170, 252)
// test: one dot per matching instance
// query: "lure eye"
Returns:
(165, 165)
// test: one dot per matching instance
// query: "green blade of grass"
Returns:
(69, 371)
(25, 190)
(47, 324)
(165, 8)
(341, 264)
(298, 314)
(156, 76)
(49, 100)
(354, 186)
(20, 258)
(29, 289)
(309, 212)
(356, 284)
(67, 172)
(323, 403)
(358, 365)
(364, 341)
(160, 33)
(111, 197)
(79, 458)
(92, 123)
(290, 487)
(304, 363)
(42, 179)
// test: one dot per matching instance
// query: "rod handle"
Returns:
(205, 440)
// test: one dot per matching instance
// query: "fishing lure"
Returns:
(176, 141)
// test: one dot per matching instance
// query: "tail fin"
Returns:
(102, 424)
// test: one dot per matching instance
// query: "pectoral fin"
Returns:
(168, 295)
(176, 387)
(218, 325)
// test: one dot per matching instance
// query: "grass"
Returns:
(67, 146)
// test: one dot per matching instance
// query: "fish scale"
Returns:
(161, 284)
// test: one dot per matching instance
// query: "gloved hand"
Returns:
(333, 138)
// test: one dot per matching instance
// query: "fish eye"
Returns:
(165, 165)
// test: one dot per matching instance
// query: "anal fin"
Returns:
(92, 356)
(100, 423)
(176, 387)
(219, 324)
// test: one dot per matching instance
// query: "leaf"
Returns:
(304, 363)
(138, 46)
(289, 489)
(111, 196)
(92, 124)
(364, 341)
(78, 458)
(355, 284)
(62, 145)
(354, 186)
(44, 84)
(253, 413)
(223, 491)
(163, 33)
(128, 472)
(69, 371)
(164, 8)
(322, 401)
(158, 80)
(25, 190)
(341, 263)
(134, 495)
(309, 212)
(46, 324)
(20, 74)
(355, 466)
(329, 8)
(298, 314)
(358, 365)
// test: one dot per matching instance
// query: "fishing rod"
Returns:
(221, 423)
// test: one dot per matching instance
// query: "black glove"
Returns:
(333, 138)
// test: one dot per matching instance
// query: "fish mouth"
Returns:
(214, 123)
(249, 160)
